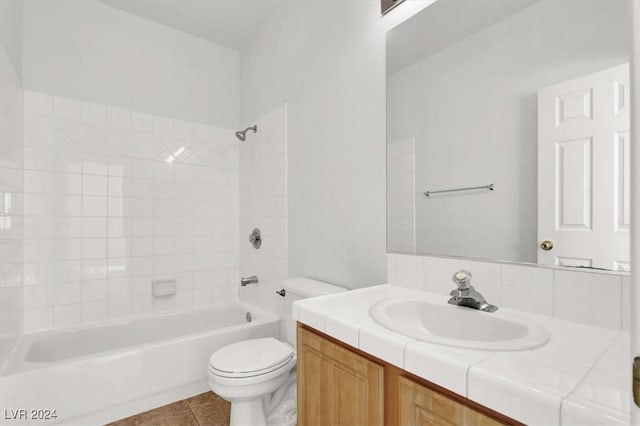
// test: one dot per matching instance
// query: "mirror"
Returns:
(508, 132)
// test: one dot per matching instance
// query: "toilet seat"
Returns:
(251, 358)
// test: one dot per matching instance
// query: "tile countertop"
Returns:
(577, 378)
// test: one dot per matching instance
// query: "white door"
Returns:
(583, 171)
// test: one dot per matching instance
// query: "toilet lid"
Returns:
(250, 357)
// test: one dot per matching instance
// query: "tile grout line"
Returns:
(193, 415)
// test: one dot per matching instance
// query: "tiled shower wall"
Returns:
(595, 298)
(263, 205)
(11, 205)
(115, 198)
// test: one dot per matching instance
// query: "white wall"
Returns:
(89, 51)
(327, 60)
(473, 110)
(11, 183)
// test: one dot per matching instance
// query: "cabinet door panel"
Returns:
(335, 385)
(421, 406)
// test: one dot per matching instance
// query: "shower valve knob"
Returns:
(255, 239)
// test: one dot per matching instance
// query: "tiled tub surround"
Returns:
(577, 378)
(115, 198)
(11, 206)
(263, 205)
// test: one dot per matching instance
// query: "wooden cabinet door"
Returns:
(337, 386)
(421, 406)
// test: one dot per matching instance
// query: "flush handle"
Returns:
(546, 245)
(282, 292)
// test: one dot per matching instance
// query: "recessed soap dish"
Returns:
(161, 287)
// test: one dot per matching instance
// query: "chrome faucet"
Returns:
(249, 280)
(466, 295)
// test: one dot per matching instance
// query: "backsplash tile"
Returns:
(528, 289)
(114, 198)
(593, 298)
(588, 298)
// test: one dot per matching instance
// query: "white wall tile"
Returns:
(67, 183)
(66, 108)
(626, 304)
(588, 298)
(67, 293)
(118, 117)
(38, 103)
(38, 319)
(545, 291)
(94, 164)
(14, 157)
(67, 315)
(94, 185)
(141, 305)
(409, 271)
(182, 129)
(437, 274)
(119, 308)
(261, 167)
(485, 278)
(93, 113)
(527, 289)
(38, 158)
(162, 125)
(141, 121)
(94, 311)
(105, 213)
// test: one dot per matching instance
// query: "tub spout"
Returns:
(249, 280)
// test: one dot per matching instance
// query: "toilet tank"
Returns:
(302, 288)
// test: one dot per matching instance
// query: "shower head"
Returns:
(242, 135)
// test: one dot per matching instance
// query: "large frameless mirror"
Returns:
(508, 132)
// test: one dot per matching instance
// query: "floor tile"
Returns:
(209, 409)
(177, 413)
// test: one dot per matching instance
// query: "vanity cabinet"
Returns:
(341, 385)
(420, 405)
(337, 386)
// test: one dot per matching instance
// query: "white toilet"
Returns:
(258, 376)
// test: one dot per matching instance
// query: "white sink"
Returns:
(458, 326)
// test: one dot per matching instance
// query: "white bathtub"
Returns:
(94, 375)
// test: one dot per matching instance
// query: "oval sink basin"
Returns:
(458, 326)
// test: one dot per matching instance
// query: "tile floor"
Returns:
(206, 409)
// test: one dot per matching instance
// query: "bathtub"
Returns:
(94, 375)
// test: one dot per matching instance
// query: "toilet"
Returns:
(258, 376)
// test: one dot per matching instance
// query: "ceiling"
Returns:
(442, 24)
(227, 22)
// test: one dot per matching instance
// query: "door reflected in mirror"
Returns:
(508, 132)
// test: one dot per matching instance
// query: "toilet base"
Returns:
(248, 413)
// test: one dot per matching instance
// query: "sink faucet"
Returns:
(466, 295)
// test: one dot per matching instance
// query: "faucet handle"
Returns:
(462, 279)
